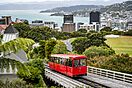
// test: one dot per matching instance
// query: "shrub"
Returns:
(98, 51)
(82, 43)
(120, 63)
(31, 76)
(17, 83)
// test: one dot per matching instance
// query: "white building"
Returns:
(42, 23)
(50, 24)
(129, 25)
(37, 23)
(87, 26)
(10, 33)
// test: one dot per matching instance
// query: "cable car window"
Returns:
(58, 60)
(52, 59)
(82, 62)
(63, 61)
(76, 63)
(69, 62)
(55, 59)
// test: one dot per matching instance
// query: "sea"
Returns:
(32, 15)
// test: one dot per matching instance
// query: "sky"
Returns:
(103, 2)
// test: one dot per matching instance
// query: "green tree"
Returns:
(77, 34)
(121, 63)
(97, 39)
(37, 63)
(80, 44)
(12, 47)
(44, 49)
(38, 52)
(116, 32)
(82, 30)
(40, 33)
(98, 51)
(92, 39)
(128, 33)
(35, 73)
(23, 29)
(49, 46)
(15, 84)
(26, 22)
(60, 48)
(107, 29)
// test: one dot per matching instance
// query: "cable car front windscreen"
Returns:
(81, 62)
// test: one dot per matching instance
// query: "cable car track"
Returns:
(90, 82)
(87, 82)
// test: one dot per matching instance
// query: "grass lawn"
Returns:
(122, 44)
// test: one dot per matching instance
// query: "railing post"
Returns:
(106, 73)
(113, 75)
(91, 70)
(96, 71)
(124, 78)
(99, 72)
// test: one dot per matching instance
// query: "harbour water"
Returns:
(31, 15)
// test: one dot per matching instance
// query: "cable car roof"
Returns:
(68, 56)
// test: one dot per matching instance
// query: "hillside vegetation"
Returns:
(83, 9)
(125, 6)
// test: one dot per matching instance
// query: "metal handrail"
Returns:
(110, 74)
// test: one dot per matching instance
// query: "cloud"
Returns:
(12, 1)
(69, 1)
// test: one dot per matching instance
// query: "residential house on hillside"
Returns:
(2, 28)
(11, 33)
(5, 21)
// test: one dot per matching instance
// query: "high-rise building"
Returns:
(68, 19)
(68, 25)
(94, 17)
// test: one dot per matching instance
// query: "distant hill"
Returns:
(75, 8)
(125, 6)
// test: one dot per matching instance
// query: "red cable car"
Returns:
(70, 65)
